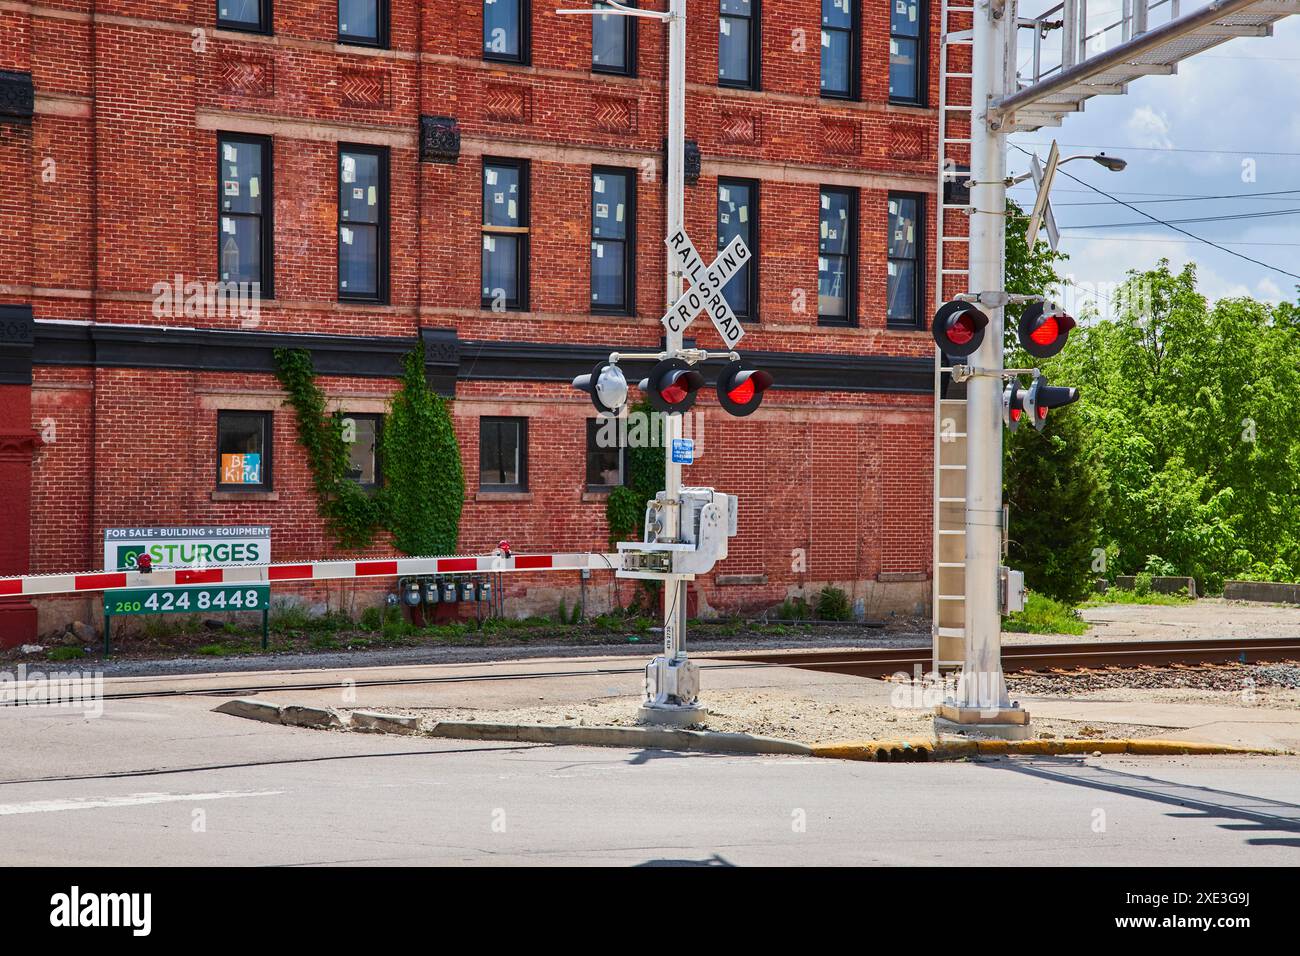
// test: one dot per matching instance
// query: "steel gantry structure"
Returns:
(1071, 53)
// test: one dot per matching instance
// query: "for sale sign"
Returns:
(177, 547)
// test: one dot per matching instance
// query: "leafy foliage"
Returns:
(1194, 414)
(351, 515)
(1044, 615)
(422, 467)
(625, 507)
(1053, 486)
(424, 487)
(833, 605)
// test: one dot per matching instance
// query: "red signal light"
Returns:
(743, 392)
(673, 393)
(672, 385)
(1042, 336)
(740, 390)
(958, 328)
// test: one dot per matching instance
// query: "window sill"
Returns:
(245, 496)
(596, 493)
(503, 496)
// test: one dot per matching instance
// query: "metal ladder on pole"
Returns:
(948, 582)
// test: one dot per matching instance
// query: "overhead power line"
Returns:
(1167, 222)
(1159, 221)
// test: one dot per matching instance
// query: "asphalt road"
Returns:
(170, 783)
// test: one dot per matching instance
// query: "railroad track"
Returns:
(883, 662)
(875, 662)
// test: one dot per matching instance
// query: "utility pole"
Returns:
(982, 703)
(671, 680)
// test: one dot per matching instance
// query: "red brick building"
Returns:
(391, 170)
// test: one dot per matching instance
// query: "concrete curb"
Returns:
(252, 709)
(897, 751)
(659, 737)
(290, 715)
(369, 721)
(317, 718)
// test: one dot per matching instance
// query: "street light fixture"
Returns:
(1114, 163)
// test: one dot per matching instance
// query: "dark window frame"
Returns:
(268, 444)
(922, 58)
(629, 45)
(522, 485)
(919, 320)
(378, 418)
(382, 19)
(382, 252)
(629, 244)
(855, 55)
(525, 56)
(755, 19)
(591, 432)
(523, 232)
(266, 286)
(755, 243)
(850, 319)
(265, 24)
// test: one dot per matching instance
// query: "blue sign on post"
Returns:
(683, 451)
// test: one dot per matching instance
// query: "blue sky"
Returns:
(1230, 114)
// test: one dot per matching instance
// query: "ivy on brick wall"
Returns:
(352, 517)
(422, 469)
(625, 507)
(424, 487)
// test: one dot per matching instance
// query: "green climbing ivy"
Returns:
(424, 487)
(351, 515)
(625, 507)
(422, 468)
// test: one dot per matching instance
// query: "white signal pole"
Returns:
(982, 695)
(671, 681)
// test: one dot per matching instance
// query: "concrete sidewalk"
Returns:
(766, 700)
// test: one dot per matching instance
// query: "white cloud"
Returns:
(1147, 128)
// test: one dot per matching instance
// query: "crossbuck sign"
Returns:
(705, 292)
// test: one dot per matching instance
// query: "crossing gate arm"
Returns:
(92, 581)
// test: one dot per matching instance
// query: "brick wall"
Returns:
(120, 194)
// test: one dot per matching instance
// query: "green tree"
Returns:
(422, 467)
(1052, 479)
(1053, 487)
(1195, 414)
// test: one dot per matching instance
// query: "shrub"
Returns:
(833, 605)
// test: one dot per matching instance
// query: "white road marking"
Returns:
(130, 800)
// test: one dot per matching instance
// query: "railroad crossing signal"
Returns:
(1013, 405)
(707, 283)
(671, 386)
(959, 328)
(607, 387)
(1042, 333)
(740, 390)
(1042, 397)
